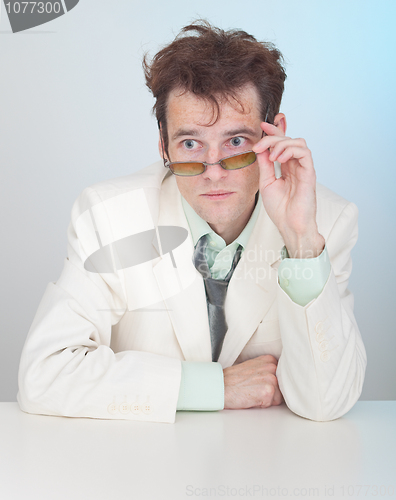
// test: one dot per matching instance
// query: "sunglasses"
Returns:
(191, 168)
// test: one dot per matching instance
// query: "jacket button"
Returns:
(135, 408)
(319, 327)
(320, 337)
(112, 409)
(323, 346)
(325, 356)
(146, 409)
(124, 408)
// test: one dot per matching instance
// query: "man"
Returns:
(216, 282)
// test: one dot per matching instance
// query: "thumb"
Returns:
(266, 168)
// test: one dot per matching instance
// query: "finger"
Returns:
(278, 147)
(268, 142)
(270, 129)
(267, 395)
(266, 168)
(303, 155)
(278, 398)
(268, 358)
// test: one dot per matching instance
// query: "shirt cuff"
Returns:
(201, 387)
(304, 279)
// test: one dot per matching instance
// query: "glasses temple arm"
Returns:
(166, 162)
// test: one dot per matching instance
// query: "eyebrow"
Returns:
(238, 131)
(227, 133)
(183, 131)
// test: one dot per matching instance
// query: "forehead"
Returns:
(185, 108)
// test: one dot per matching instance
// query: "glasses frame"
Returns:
(168, 164)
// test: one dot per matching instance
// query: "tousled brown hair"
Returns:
(214, 64)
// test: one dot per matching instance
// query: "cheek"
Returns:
(251, 177)
(186, 186)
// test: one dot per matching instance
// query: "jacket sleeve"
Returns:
(323, 361)
(67, 366)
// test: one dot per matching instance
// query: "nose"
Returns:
(214, 171)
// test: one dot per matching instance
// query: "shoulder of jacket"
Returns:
(327, 196)
(330, 207)
(149, 179)
(329, 200)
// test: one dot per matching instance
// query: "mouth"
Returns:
(217, 195)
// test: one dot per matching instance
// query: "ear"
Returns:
(280, 122)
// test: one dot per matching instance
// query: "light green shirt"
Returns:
(202, 384)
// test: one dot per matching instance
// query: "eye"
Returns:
(189, 143)
(237, 141)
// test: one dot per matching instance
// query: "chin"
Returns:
(218, 217)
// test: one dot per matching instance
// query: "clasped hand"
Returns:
(252, 383)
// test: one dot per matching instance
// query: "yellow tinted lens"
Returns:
(187, 168)
(239, 161)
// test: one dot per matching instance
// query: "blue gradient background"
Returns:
(74, 110)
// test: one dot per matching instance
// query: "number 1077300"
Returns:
(30, 7)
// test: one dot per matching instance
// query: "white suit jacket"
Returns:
(110, 344)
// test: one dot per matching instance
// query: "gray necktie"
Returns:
(216, 291)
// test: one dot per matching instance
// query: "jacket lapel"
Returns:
(182, 287)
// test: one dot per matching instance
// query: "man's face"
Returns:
(223, 198)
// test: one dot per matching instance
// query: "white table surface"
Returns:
(256, 453)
